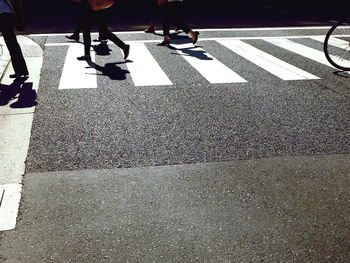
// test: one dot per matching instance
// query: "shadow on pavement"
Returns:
(26, 96)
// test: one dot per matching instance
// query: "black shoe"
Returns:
(73, 37)
(164, 43)
(19, 75)
(195, 38)
(100, 39)
(86, 58)
(126, 51)
(150, 29)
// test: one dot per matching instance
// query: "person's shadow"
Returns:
(342, 73)
(193, 52)
(102, 49)
(26, 96)
(110, 70)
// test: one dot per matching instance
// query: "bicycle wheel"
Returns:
(337, 46)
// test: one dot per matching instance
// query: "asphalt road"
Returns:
(255, 171)
(123, 125)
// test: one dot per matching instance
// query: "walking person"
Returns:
(7, 28)
(79, 28)
(153, 15)
(94, 12)
(171, 11)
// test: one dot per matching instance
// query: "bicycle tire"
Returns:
(337, 46)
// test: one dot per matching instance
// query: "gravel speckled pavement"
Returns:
(190, 172)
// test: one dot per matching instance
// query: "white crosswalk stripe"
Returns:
(210, 68)
(144, 69)
(77, 74)
(335, 42)
(266, 61)
(301, 49)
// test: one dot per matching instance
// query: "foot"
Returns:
(126, 51)
(195, 37)
(85, 57)
(102, 39)
(19, 75)
(150, 29)
(164, 43)
(73, 37)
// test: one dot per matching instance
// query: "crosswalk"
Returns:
(210, 68)
(144, 69)
(75, 73)
(266, 61)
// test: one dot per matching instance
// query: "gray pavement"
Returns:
(191, 172)
(286, 209)
(120, 125)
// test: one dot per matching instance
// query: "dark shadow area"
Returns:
(342, 73)
(192, 52)
(102, 49)
(26, 97)
(61, 16)
(110, 70)
(183, 39)
(18, 89)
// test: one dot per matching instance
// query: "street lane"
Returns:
(136, 170)
(122, 125)
(287, 209)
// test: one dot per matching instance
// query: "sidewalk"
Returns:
(15, 122)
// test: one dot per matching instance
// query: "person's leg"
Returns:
(7, 23)
(165, 10)
(178, 21)
(153, 15)
(101, 36)
(87, 21)
(101, 23)
(78, 27)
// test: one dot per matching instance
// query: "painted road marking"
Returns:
(266, 61)
(210, 68)
(77, 74)
(10, 196)
(336, 42)
(301, 50)
(144, 69)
